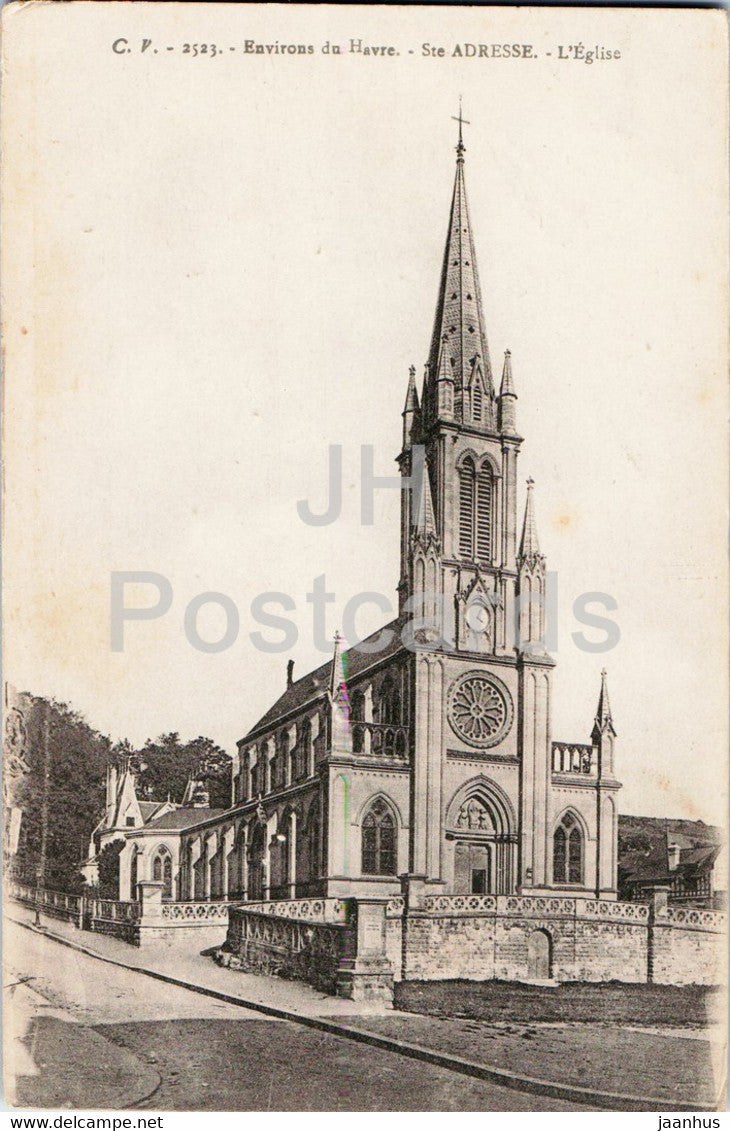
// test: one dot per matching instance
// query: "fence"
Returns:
(130, 920)
(57, 904)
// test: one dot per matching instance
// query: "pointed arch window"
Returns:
(134, 873)
(568, 852)
(379, 856)
(162, 870)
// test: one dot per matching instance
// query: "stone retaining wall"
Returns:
(483, 937)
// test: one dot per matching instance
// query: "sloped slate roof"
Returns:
(311, 687)
(149, 808)
(183, 818)
(693, 860)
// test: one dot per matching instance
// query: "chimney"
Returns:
(201, 797)
(673, 851)
(290, 673)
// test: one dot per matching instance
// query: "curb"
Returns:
(612, 1101)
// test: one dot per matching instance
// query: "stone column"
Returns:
(245, 779)
(266, 863)
(367, 718)
(243, 863)
(658, 940)
(421, 748)
(292, 850)
(313, 736)
(209, 865)
(226, 849)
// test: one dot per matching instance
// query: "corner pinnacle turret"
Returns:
(529, 543)
(603, 721)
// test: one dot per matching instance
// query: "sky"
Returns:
(217, 265)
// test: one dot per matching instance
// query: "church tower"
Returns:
(475, 602)
(460, 446)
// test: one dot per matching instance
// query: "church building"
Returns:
(427, 748)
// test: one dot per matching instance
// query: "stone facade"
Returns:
(425, 751)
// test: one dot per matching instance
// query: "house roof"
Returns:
(183, 818)
(643, 847)
(311, 687)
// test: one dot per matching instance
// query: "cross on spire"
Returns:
(462, 122)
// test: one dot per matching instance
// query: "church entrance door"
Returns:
(472, 868)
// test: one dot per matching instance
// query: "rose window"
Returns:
(480, 709)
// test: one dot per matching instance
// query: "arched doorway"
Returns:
(539, 955)
(479, 830)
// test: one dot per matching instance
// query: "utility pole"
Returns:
(41, 870)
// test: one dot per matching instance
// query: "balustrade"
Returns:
(381, 740)
(572, 758)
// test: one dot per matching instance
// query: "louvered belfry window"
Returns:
(484, 515)
(467, 479)
(477, 402)
(476, 497)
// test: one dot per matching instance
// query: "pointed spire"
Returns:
(529, 544)
(458, 330)
(411, 404)
(337, 674)
(341, 733)
(507, 388)
(603, 712)
(411, 410)
(507, 399)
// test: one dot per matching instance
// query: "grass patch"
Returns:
(618, 1002)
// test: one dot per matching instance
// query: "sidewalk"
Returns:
(606, 1066)
(41, 1041)
(182, 960)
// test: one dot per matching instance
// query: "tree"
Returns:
(109, 869)
(166, 764)
(61, 783)
(63, 789)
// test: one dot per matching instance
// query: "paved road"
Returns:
(88, 1025)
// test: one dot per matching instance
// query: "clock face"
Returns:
(478, 618)
(480, 709)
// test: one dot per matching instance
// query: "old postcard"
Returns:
(365, 495)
